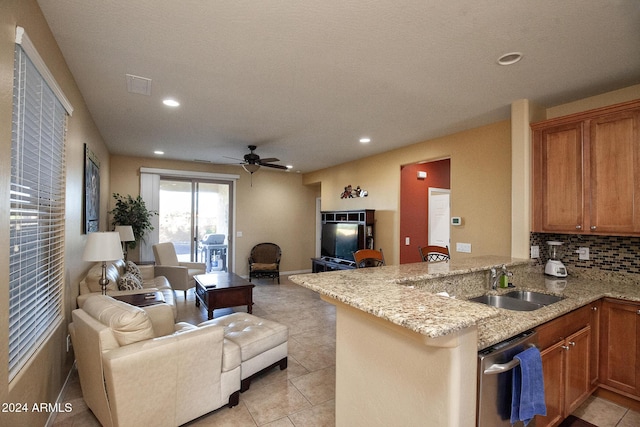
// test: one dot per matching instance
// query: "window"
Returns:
(37, 212)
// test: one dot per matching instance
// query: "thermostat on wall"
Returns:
(456, 220)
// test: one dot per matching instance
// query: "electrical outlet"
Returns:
(535, 252)
(407, 241)
(463, 247)
(68, 343)
(583, 254)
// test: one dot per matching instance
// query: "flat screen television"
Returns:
(340, 240)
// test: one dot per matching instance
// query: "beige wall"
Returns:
(480, 188)
(277, 208)
(43, 377)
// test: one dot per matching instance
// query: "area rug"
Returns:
(572, 421)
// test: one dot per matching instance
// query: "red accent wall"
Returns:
(414, 204)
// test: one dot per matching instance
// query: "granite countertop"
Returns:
(407, 294)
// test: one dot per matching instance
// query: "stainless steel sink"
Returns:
(518, 300)
(505, 302)
(534, 297)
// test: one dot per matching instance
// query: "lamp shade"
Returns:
(102, 246)
(126, 233)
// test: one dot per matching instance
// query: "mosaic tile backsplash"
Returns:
(608, 253)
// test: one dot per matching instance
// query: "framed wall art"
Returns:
(91, 191)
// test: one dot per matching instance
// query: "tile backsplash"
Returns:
(608, 253)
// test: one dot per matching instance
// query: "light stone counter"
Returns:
(405, 295)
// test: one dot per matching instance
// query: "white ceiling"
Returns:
(304, 80)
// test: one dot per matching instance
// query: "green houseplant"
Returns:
(133, 212)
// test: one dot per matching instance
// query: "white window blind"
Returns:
(37, 216)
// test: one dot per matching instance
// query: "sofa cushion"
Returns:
(133, 268)
(129, 324)
(129, 282)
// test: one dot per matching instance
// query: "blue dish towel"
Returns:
(527, 399)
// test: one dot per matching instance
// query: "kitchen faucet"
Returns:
(496, 274)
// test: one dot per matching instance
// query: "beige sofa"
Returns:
(138, 368)
(150, 282)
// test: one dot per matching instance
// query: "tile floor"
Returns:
(303, 394)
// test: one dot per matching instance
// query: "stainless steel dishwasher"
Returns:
(495, 367)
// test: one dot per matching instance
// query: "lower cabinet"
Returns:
(567, 349)
(620, 347)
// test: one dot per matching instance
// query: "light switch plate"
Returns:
(463, 247)
(535, 252)
(407, 241)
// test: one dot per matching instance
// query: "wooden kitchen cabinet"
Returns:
(586, 172)
(620, 347)
(566, 350)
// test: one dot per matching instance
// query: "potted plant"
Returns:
(133, 212)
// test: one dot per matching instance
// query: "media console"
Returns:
(318, 265)
(343, 232)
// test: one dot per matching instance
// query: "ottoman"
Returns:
(263, 343)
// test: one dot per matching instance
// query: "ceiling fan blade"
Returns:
(233, 158)
(270, 165)
(269, 160)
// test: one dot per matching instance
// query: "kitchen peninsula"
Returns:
(407, 356)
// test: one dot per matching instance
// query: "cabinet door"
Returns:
(620, 346)
(553, 371)
(558, 178)
(578, 381)
(614, 173)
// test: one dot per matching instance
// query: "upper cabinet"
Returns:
(586, 172)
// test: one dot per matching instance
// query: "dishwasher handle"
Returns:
(498, 368)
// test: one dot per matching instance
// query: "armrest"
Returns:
(200, 265)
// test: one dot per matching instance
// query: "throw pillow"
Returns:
(128, 282)
(133, 269)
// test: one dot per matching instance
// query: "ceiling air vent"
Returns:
(139, 85)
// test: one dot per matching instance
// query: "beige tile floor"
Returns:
(303, 394)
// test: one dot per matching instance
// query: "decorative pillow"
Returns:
(128, 282)
(133, 269)
(129, 324)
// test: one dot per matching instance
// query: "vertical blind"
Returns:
(37, 212)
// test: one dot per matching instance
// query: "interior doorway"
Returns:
(416, 180)
(189, 210)
(439, 213)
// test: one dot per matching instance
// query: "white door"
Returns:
(439, 216)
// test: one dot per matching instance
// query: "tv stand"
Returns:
(318, 265)
(365, 220)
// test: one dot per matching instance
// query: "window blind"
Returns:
(37, 213)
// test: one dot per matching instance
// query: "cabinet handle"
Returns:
(593, 227)
(578, 227)
(638, 312)
(566, 347)
(596, 309)
(572, 344)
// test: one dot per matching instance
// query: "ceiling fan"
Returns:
(252, 161)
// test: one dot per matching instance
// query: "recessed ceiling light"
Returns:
(170, 102)
(510, 58)
(289, 167)
(365, 140)
(158, 152)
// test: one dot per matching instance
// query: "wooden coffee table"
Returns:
(220, 290)
(141, 300)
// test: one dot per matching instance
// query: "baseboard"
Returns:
(59, 401)
(612, 396)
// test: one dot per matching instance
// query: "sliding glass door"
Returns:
(196, 216)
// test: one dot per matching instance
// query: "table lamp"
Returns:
(126, 235)
(103, 246)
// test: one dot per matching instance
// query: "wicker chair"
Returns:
(264, 261)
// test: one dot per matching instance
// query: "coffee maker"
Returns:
(554, 266)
